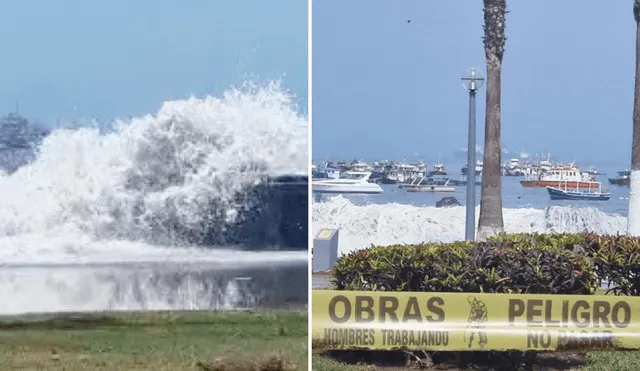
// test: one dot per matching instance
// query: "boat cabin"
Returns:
(564, 173)
(355, 175)
(624, 174)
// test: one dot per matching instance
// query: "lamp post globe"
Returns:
(473, 80)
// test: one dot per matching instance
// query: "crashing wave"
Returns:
(197, 172)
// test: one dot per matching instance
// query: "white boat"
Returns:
(362, 167)
(438, 169)
(432, 188)
(352, 182)
(326, 172)
(401, 172)
(514, 168)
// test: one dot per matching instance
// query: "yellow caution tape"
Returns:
(461, 321)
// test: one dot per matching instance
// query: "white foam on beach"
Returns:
(393, 223)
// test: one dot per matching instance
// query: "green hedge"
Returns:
(515, 263)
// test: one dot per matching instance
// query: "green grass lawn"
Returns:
(156, 341)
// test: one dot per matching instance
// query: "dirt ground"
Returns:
(464, 361)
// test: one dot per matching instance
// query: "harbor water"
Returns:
(397, 216)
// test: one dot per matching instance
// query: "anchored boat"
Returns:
(571, 191)
(623, 178)
(594, 171)
(463, 182)
(352, 182)
(426, 181)
(438, 169)
(555, 175)
(432, 187)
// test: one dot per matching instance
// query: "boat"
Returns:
(555, 175)
(513, 168)
(479, 166)
(401, 173)
(463, 182)
(438, 169)
(361, 166)
(378, 173)
(623, 178)
(594, 171)
(319, 175)
(325, 172)
(544, 166)
(384, 179)
(432, 188)
(571, 191)
(425, 181)
(351, 182)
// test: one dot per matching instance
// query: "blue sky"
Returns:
(383, 88)
(121, 57)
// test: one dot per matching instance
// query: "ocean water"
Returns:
(89, 224)
(397, 216)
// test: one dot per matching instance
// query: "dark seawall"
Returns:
(276, 219)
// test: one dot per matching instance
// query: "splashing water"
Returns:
(136, 192)
(393, 223)
(185, 165)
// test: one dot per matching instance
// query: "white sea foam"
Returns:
(393, 223)
(106, 197)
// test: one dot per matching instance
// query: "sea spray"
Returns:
(394, 223)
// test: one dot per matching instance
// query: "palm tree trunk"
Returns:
(490, 220)
(633, 226)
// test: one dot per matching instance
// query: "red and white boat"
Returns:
(569, 175)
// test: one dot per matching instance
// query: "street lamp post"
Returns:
(472, 82)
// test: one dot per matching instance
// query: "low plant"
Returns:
(617, 262)
(615, 258)
(497, 266)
